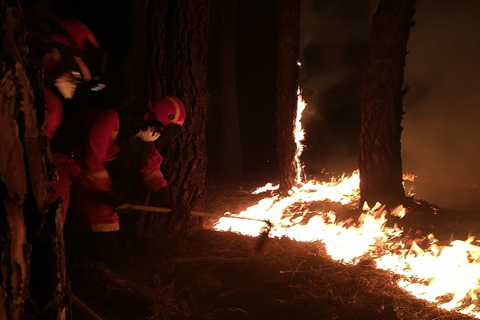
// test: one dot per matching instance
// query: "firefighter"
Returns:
(87, 178)
(93, 201)
(94, 190)
(71, 57)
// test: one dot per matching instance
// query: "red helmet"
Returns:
(168, 110)
(77, 34)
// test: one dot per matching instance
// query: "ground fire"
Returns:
(444, 273)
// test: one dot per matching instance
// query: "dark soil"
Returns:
(221, 275)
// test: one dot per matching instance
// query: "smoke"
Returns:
(441, 131)
(326, 28)
(333, 44)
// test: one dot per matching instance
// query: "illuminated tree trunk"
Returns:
(230, 147)
(287, 85)
(380, 160)
(32, 255)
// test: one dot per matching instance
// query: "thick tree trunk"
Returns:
(178, 60)
(137, 79)
(287, 85)
(187, 159)
(380, 160)
(155, 59)
(230, 147)
(32, 257)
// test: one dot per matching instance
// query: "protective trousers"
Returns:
(90, 210)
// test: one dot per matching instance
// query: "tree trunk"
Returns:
(32, 257)
(287, 85)
(137, 81)
(179, 67)
(380, 160)
(155, 58)
(187, 159)
(230, 147)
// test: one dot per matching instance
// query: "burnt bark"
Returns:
(380, 161)
(287, 85)
(33, 277)
(230, 147)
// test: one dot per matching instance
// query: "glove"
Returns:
(156, 184)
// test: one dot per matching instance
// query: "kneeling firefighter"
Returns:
(93, 197)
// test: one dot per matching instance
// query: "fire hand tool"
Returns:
(143, 208)
(262, 239)
(81, 307)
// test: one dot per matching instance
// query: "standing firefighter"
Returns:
(70, 56)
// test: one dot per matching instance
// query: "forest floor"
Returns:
(221, 275)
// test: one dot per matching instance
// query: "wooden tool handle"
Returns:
(83, 309)
(207, 214)
(143, 208)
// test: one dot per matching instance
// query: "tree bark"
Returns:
(137, 81)
(187, 159)
(380, 160)
(179, 67)
(287, 85)
(32, 256)
(155, 60)
(230, 147)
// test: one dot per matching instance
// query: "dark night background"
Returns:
(439, 141)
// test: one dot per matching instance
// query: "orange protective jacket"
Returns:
(101, 148)
(92, 180)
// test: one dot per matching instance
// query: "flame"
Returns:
(299, 136)
(267, 187)
(409, 177)
(447, 275)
